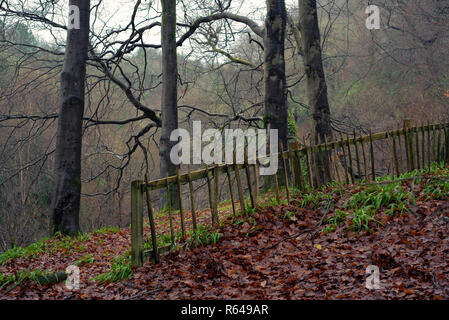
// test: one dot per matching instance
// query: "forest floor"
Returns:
(317, 247)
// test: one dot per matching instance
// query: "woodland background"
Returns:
(375, 79)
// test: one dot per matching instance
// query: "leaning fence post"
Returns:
(373, 169)
(215, 218)
(439, 143)
(357, 158)
(301, 176)
(248, 179)
(395, 155)
(336, 160)
(315, 165)
(136, 224)
(407, 123)
(434, 138)
(181, 212)
(287, 189)
(446, 151)
(418, 162)
(309, 166)
(152, 225)
(192, 200)
(209, 189)
(239, 186)
(423, 149)
(170, 212)
(365, 163)
(329, 158)
(342, 144)
(351, 167)
(228, 174)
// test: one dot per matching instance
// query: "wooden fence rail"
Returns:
(307, 166)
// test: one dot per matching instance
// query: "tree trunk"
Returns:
(66, 202)
(274, 73)
(315, 78)
(169, 93)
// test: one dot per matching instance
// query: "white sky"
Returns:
(118, 12)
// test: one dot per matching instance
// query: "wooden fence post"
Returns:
(248, 179)
(434, 138)
(329, 158)
(365, 163)
(301, 175)
(209, 189)
(373, 168)
(309, 166)
(342, 143)
(152, 225)
(296, 167)
(418, 162)
(357, 158)
(170, 212)
(239, 186)
(429, 153)
(228, 174)
(351, 167)
(215, 218)
(136, 224)
(192, 200)
(287, 189)
(395, 156)
(181, 210)
(407, 123)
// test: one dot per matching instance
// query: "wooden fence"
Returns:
(345, 160)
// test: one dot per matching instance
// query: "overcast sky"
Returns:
(118, 12)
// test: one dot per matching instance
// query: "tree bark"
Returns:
(274, 73)
(315, 77)
(313, 63)
(169, 92)
(66, 201)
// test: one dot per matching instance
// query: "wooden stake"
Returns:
(287, 189)
(309, 167)
(152, 225)
(315, 166)
(136, 224)
(329, 160)
(170, 213)
(239, 187)
(344, 158)
(228, 174)
(429, 153)
(215, 217)
(365, 163)
(373, 169)
(248, 179)
(192, 200)
(357, 159)
(351, 167)
(181, 212)
(423, 147)
(439, 143)
(395, 156)
(418, 163)
(209, 189)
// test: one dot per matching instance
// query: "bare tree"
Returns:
(274, 68)
(66, 203)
